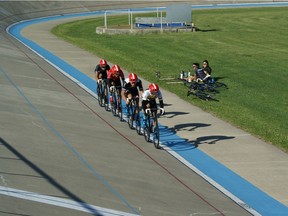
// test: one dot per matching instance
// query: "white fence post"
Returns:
(131, 22)
(105, 19)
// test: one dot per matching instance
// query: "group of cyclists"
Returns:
(131, 88)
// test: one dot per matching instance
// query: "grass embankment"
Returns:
(247, 48)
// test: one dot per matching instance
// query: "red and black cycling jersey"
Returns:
(115, 77)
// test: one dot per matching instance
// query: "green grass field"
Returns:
(246, 47)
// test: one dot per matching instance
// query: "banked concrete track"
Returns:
(60, 152)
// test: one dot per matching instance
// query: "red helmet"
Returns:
(133, 77)
(116, 68)
(103, 63)
(153, 87)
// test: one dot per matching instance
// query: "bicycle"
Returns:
(133, 115)
(200, 90)
(102, 94)
(151, 127)
(116, 102)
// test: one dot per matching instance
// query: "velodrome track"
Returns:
(56, 141)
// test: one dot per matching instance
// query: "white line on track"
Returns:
(66, 203)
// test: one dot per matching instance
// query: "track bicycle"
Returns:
(116, 102)
(102, 94)
(200, 90)
(132, 115)
(217, 84)
(151, 127)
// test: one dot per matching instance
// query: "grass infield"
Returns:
(247, 49)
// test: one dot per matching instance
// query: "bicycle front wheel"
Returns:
(156, 137)
(99, 93)
(138, 125)
(147, 134)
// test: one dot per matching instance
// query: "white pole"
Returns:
(161, 22)
(105, 19)
(129, 11)
(131, 22)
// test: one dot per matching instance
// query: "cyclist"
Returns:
(101, 70)
(101, 74)
(149, 99)
(115, 76)
(130, 89)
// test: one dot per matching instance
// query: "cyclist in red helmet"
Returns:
(101, 70)
(115, 79)
(132, 86)
(149, 98)
(101, 74)
(115, 75)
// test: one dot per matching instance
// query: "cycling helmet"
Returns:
(133, 77)
(153, 87)
(103, 63)
(116, 68)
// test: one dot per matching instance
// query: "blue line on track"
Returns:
(239, 187)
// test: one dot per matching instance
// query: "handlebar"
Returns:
(149, 110)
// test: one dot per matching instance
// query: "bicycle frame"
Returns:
(116, 105)
(133, 115)
(199, 91)
(152, 128)
(102, 94)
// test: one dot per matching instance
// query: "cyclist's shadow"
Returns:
(186, 144)
(180, 144)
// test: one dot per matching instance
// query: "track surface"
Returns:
(56, 141)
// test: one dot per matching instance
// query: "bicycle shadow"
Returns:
(211, 139)
(165, 104)
(186, 144)
(181, 144)
(186, 127)
(189, 126)
(173, 114)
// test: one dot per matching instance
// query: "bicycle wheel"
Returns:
(130, 115)
(106, 99)
(147, 130)
(114, 105)
(147, 134)
(205, 96)
(156, 137)
(138, 124)
(220, 85)
(119, 110)
(106, 106)
(99, 93)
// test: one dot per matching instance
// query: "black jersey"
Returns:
(102, 71)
